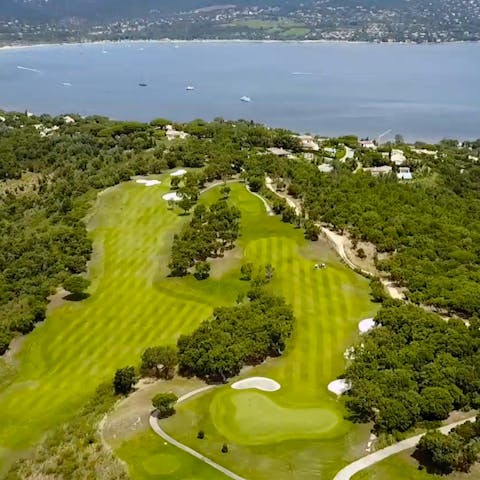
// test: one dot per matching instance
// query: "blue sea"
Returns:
(424, 92)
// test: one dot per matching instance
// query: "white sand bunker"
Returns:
(339, 386)
(148, 183)
(178, 173)
(365, 325)
(172, 196)
(260, 383)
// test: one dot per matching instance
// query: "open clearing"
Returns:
(133, 305)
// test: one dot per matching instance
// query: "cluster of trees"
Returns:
(244, 334)
(211, 231)
(457, 451)
(413, 366)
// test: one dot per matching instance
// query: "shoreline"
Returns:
(167, 41)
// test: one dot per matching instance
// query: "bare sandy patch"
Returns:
(366, 325)
(178, 173)
(259, 383)
(148, 183)
(339, 386)
(172, 196)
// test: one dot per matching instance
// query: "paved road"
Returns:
(361, 464)
(159, 431)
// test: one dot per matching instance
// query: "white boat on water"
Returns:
(245, 99)
(190, 88)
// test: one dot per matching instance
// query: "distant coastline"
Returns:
(225, 41)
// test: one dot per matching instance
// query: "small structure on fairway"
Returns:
(319, 266)
(148, 183)
(339, 386)
(366, 325)
(172, 196)
(178, 173)
(260, 383)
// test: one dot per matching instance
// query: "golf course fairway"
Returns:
(133, 305)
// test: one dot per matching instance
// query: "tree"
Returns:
(164, 404)
(202, 270)
(246, 270)
(288, 214)
(436, 403)
(76, 284)
(442, 451)
(225, 191)
(311, 231)
(269, 271)
(124, 380)
(159, 361)
(377, 290)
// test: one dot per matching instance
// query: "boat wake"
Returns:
(28, 69)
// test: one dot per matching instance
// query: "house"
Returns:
(309, 156)
(173, 134)
(330, 151)
(368, 144)
(279, 152)
(68, 119)
(308, 143)
(376, 171)
(398, 157)
(325, 168)
(404, 173)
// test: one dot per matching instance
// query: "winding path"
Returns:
(362, 463)
(159, 431)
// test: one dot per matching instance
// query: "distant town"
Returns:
(329, 20)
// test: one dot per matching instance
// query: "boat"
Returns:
(245, 99)
(190, 88)
(142, 84)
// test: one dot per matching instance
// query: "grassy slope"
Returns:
(134, 306)
(328, 304)
(81, 344)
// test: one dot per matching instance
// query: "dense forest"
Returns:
(413, 367)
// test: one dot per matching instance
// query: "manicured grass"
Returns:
(299, 431)
(149, 458)
(134, 305)
(271, 423)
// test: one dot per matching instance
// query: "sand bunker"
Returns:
(339, 386)
(172, 196)
(178, 173)
(260, 383)
(148, 183)
(366, 325)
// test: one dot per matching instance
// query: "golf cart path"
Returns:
(159, 431)
(353, 468)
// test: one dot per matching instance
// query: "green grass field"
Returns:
(133, 305)
(298, 431)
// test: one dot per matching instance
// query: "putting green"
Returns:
(252, 418)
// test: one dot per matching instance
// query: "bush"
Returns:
(224, 448)
(201, 435)
(164, 404)
(124, 380)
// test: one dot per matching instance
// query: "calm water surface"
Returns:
(422, 91)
